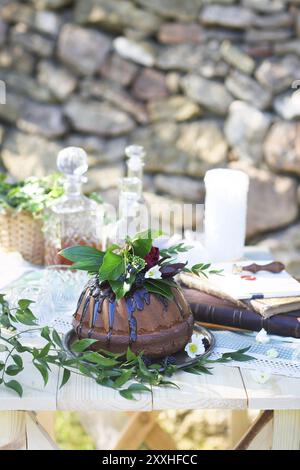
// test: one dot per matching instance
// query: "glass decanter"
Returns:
(133, 210)
(73, 219)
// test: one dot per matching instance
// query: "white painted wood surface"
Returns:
(227, 388)
(223, 389)
(278, 393)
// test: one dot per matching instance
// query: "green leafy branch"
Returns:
(202, 269)
(126, 373)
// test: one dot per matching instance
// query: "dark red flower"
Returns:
(152, 257)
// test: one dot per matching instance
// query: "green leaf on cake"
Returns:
(159, 287)
(85, 258)
(112, 268)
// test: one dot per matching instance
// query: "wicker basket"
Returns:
(19, 231)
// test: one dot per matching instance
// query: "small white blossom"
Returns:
(272, 353)
(195, 347)
(260, 377)
(153, 273)
(262, 336)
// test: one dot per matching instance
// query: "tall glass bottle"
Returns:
(73, 219)
(133, 211)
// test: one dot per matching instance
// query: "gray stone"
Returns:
(247, 89)
(16, 12)
(178, 33)
(267, 35)
(16, 58)
(180, 187)
(210, 94)
(33, 42)
(138, 52)
(285, 246)
(1, 134)
(58, 80)
(272, 201)
(46, 120)
(173, 82)
(176, 9)
(282, 147)
(116, 15)
(279, 20)
(297, 23)
(83, 49)
(12, 109)
(98, 118)
(119, 70)
(99, 150)
(47, 22)
(278, 74)
(228, 16)
(3, 31)
(173, 214)
(150, 84)
(189, 149)
(190, 57)
(245, 130)
(237, 58)
(288, 47)
(29, 155)
(23, 84)
(101, 179)
(288, 105)
(117, 96)
(220, 2)
(265, 6)
(176, 108)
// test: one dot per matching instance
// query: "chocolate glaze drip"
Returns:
(84, 311)
(164, 302)
(111, 316)
(135, 301)
(179, 306)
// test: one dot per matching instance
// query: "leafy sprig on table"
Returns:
(127, 373)
(30, 195)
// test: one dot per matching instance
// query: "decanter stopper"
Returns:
(72, 161)
(135, 162)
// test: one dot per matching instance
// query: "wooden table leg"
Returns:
(136, 430)
(13, 430)
(47, 420)
(238, 425)
(142, 428)
(286, 430)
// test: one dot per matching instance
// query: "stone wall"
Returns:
(199, 83)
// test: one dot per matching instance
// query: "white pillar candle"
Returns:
(225, 214)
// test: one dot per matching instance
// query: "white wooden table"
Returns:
(228, 388)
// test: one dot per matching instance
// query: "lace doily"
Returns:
(287, 362)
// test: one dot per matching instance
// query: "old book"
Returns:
(274, 306)
(213, 310)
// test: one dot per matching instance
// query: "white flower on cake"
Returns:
(262, 337)
(272, 353)
(260, 377)
(195, 347)
(153, 273)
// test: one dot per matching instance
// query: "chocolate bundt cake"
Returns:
(145, 322)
